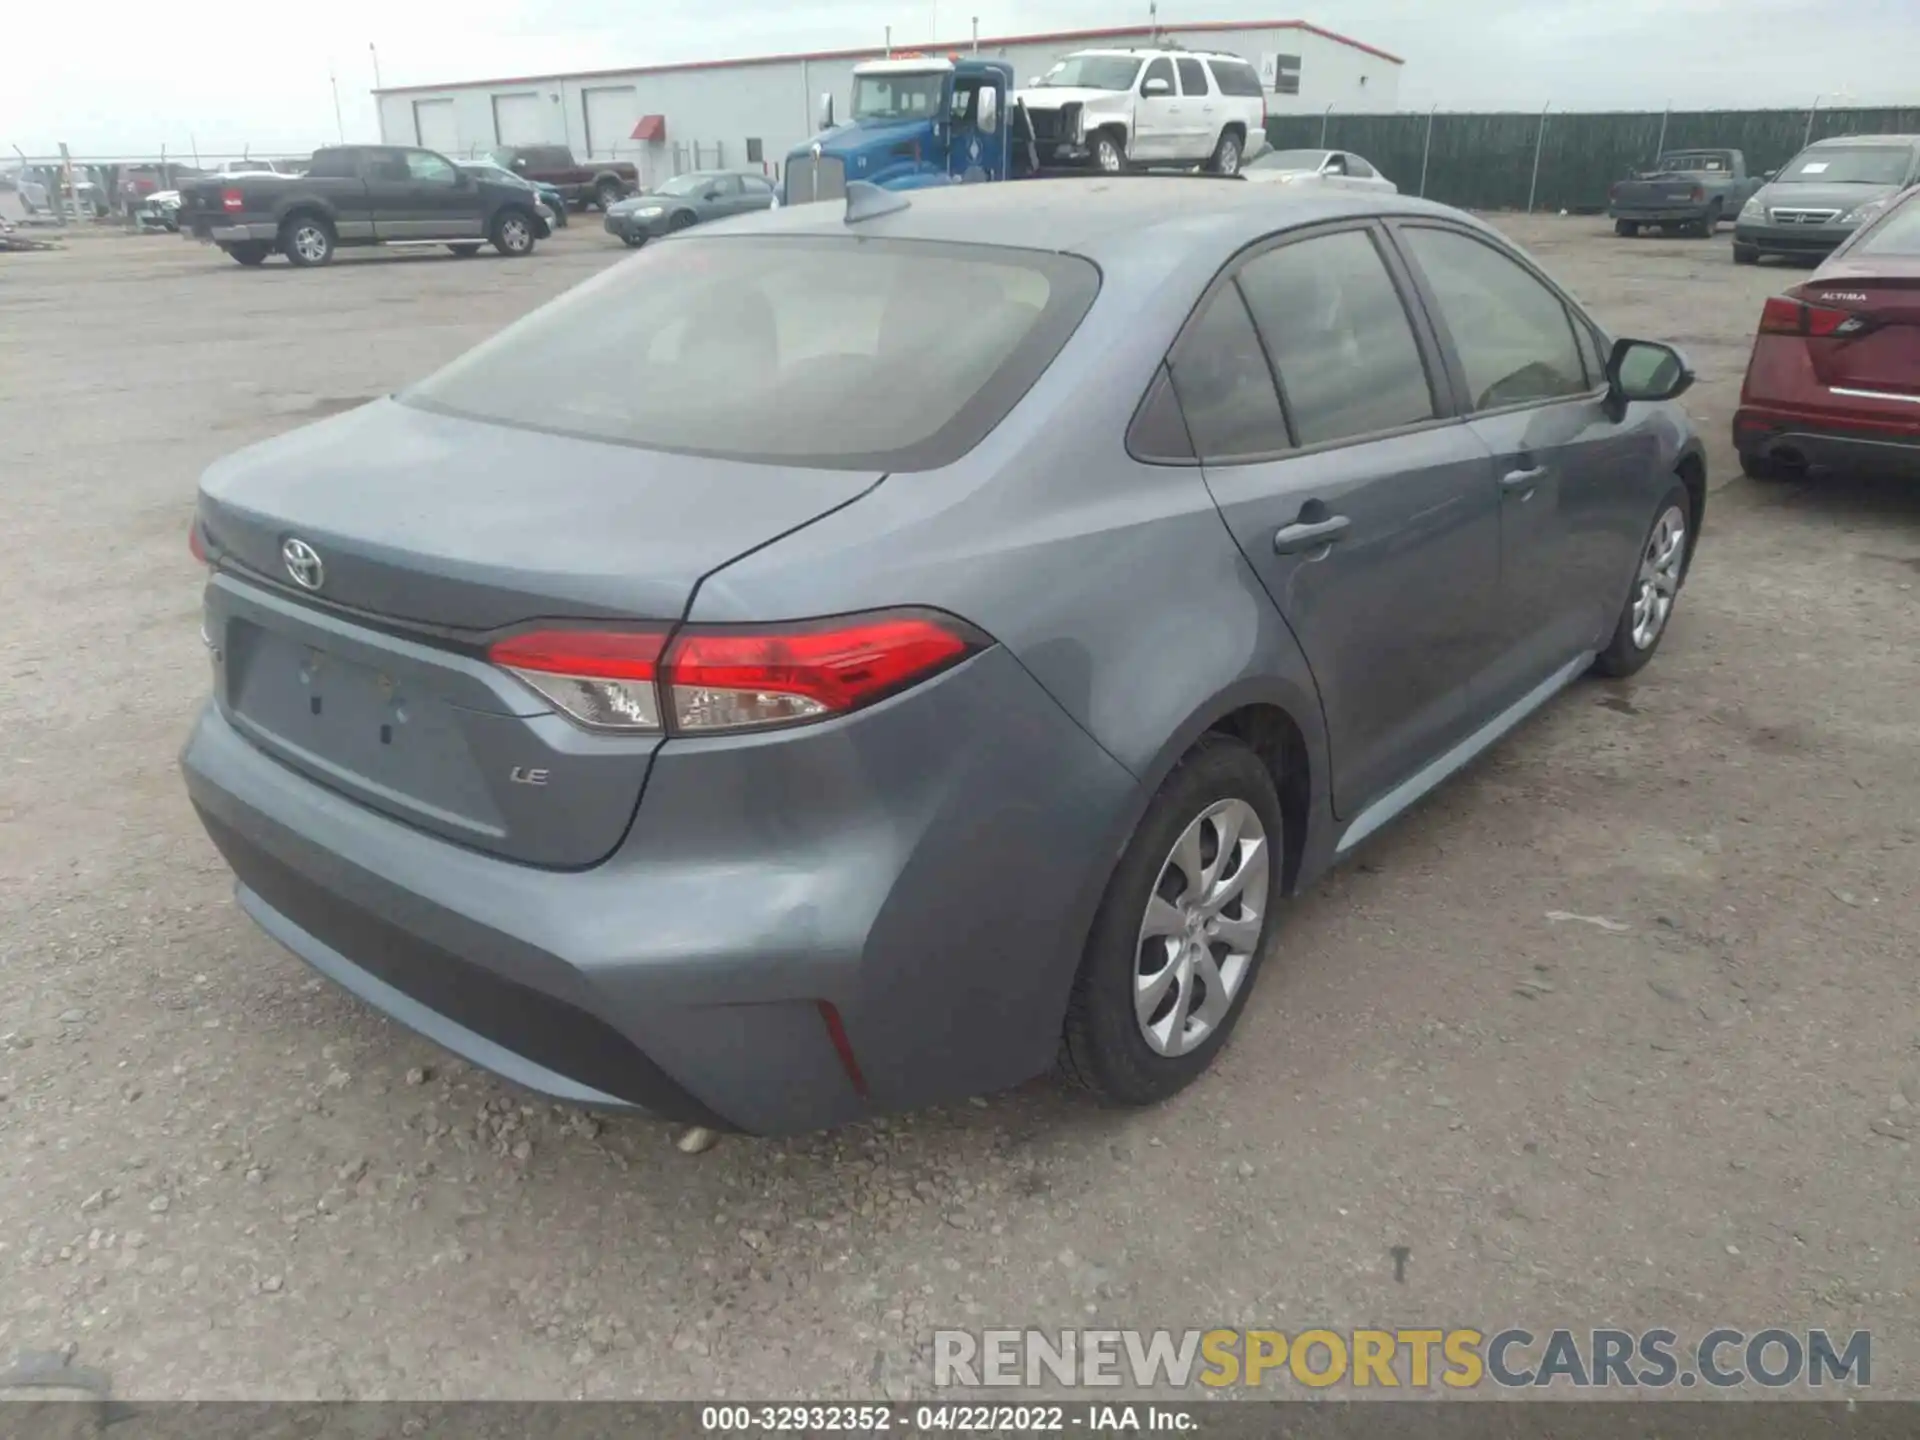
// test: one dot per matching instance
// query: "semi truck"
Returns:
(916, 121)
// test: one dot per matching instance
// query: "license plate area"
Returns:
(377, 732)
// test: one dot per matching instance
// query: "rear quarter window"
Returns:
(1236, 77)
(1898, 232)
(803, 350)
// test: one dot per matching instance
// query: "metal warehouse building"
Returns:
(738, 113)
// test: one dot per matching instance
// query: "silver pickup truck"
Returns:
(1685, 191)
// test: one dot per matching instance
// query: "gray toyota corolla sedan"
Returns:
(847, 658)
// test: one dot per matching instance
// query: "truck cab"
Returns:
(916, 121)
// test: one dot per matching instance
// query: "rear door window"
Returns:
(1512, 334)
(1193, 77)
(1339, 335)
(820, 351)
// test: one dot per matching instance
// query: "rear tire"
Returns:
(1109, 152)
(1626, 227)
(307, 240)
(465, 252)
(1745, 254)
(1710, 226)
(513, 233)
(1658, 576)
(249, 252)
(682, 221)
(1226, 154)
(1141, 931)
(634, 242)
(607, 194)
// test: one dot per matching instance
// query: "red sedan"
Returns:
(1834, 381)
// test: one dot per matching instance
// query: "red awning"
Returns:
(651, 127)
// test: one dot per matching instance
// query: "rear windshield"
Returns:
(1693, 162)
(1897, 234)
(1834, 165)
(804, 350)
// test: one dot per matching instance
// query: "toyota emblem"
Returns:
(303, 563)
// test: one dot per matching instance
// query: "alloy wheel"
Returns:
(1201, 928)
(1659, 580)
(310, 241)
(516, 234)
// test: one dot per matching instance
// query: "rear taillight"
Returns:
(196, 543)
(1613, 191)
(1697, 195)
(232, 200)
(712, 680)
(1783, 315)
(604, 679)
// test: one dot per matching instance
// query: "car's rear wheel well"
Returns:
(1692, 471)
(1273, 735)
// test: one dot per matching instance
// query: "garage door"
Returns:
(518, 119)
(611, 113)
(433, 126)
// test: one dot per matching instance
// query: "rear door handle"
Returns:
(1523, 479)
(1305, 535)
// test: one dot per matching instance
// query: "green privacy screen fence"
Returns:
(1486, 162)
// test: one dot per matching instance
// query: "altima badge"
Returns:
(303, 563)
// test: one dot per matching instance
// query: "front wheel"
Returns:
(1745, 254)
(634, 242)
(1109, 153)
(1178, 938)
(1656, 590)
(513, 233)
(1226, 155)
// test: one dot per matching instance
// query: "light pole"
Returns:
(1538, 141)
(339, 125)
(376, 64)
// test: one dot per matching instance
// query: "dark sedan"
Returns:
(687, 200)
(844, 663)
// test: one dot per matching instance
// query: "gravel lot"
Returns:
(220, 1177)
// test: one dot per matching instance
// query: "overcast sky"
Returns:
(129, 75)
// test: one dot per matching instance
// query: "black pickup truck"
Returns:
(360, 195)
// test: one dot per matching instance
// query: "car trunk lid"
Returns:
(433, 535)
(1879, 352)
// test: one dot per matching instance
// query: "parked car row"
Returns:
(802, 582)
(1807, 208)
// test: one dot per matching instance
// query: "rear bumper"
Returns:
(223, 234)
(928, 868)
(1662, 214)
(1791, 239)
(1824, 445)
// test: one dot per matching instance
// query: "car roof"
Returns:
(1907, 140)
(1100, 218)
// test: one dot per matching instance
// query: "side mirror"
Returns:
(710, 193)
(988, 118)
(1156, 87)
(1646, 370)
(1770, 175)
(826, 112)
(519, 162)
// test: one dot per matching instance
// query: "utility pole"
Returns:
(339, 125)
(1426, 150)
(1538, 141)
(376, 64)
(976, 34)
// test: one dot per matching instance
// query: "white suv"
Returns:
(1117, 108)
